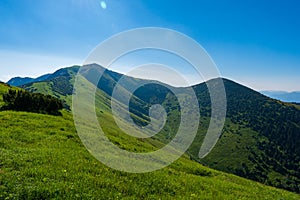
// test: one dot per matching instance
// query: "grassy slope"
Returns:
(236, 152)
(251, 152)
(240, 150)
(47, 160)
(41, 157)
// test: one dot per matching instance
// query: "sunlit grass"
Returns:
(43, 158)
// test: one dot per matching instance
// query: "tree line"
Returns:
(31, 102)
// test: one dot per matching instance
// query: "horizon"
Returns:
(203, 81)
(249, 42)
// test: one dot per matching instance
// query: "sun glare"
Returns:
(103, 5)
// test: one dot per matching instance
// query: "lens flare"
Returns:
(103, 5)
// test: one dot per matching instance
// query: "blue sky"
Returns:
(256, 43)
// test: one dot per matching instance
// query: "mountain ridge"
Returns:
(18, 81)
(256, 125)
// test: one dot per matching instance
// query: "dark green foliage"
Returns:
(150, 94)
(31, 102)
(60, 81)
(275, 148)
(62, 85)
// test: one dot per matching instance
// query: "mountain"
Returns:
(42, 157)
(260, 139)
(18, 81)
(283, 96)
(58, 84)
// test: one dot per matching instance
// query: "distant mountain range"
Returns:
(18, 81)
(292, 97)
(260, 139)
(283, 96)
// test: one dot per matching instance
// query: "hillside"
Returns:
(260, 139)
(47, 160)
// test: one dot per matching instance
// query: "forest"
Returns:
(31, 102)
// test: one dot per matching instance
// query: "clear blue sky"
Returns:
(253, 42)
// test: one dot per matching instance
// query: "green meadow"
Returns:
(42, 157)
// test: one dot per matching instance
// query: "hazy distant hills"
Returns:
(283, 96)
(18, 81)
(260, 139)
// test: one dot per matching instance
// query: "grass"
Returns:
(41, 157)
(253, 143)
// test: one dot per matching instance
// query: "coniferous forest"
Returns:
(31, 102)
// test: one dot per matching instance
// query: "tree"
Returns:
(31, 102)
